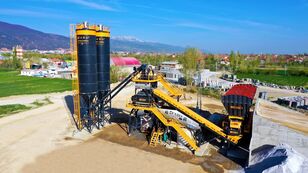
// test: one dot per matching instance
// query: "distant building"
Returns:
(126, 63)
(1, 59)
(19, 51)
(210, 79)
(294, 102)
(171, 71)
(170, 65)
(5, 50)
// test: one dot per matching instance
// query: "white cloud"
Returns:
(93, 5)
(207, 27)
(29, 13)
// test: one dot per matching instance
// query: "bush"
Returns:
(190, 89)
(11, 64)
(211, 92)
(204, 91)
(116, 74)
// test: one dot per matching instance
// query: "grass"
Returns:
(13, 108)
(11, 83)
(47, 100)
(277, 79)
(39, 103)
(204, 91)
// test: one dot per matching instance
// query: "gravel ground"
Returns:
(29, 137)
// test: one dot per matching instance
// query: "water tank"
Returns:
(103, 59)
(86, 53)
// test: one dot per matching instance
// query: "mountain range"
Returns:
(12, 35)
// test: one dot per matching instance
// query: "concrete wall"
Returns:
(265, 131)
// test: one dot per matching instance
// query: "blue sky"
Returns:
(217, 26)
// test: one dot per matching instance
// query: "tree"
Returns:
(235, 60)
(211, 62)
(16, 63)
(189, 60)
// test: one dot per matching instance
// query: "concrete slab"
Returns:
(274, 125)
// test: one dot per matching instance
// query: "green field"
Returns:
(277, 79)
(11, 83)
(14, 108)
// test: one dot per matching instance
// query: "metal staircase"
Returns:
(168, 122)
(156, 137)
(173, 90)
(208, 124)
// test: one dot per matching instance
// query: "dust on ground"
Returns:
(46, 140)
(215, 162)
(112, 150)
(26, 135)
(274, 93)
(290, 118)
(209, 104)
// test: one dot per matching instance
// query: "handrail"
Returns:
(208, 124)
(174, 91)
(168, 122)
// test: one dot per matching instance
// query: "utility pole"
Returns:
(199, 95)
(216, 66)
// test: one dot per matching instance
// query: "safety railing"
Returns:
(168, 122)
(213, 127)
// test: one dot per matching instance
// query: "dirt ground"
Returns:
(290, 118)
(274, 93)
(45, 140)
(26, 135)
(113, 151)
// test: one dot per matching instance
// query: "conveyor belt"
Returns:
(208, 124)
(171, 89)
(168, 122)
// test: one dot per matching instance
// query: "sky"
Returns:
(215, 26)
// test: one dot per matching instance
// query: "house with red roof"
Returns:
(125, 61)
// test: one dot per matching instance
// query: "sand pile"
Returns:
(281, 159)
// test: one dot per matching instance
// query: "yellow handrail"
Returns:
(168, 122)
(174, 91)
(195, 116)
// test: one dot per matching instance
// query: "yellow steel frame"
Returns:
(168, 122)
(235, 117)
(75, 78)
(195, 116)
(156, 137)
(173, 90)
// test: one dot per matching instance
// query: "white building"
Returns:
(212, 80)
(19, 51)
(171, 70)
(170, 65)
(33, 72)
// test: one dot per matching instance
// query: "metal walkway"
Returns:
(168, 122)
(174, 91)
(208, 124)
